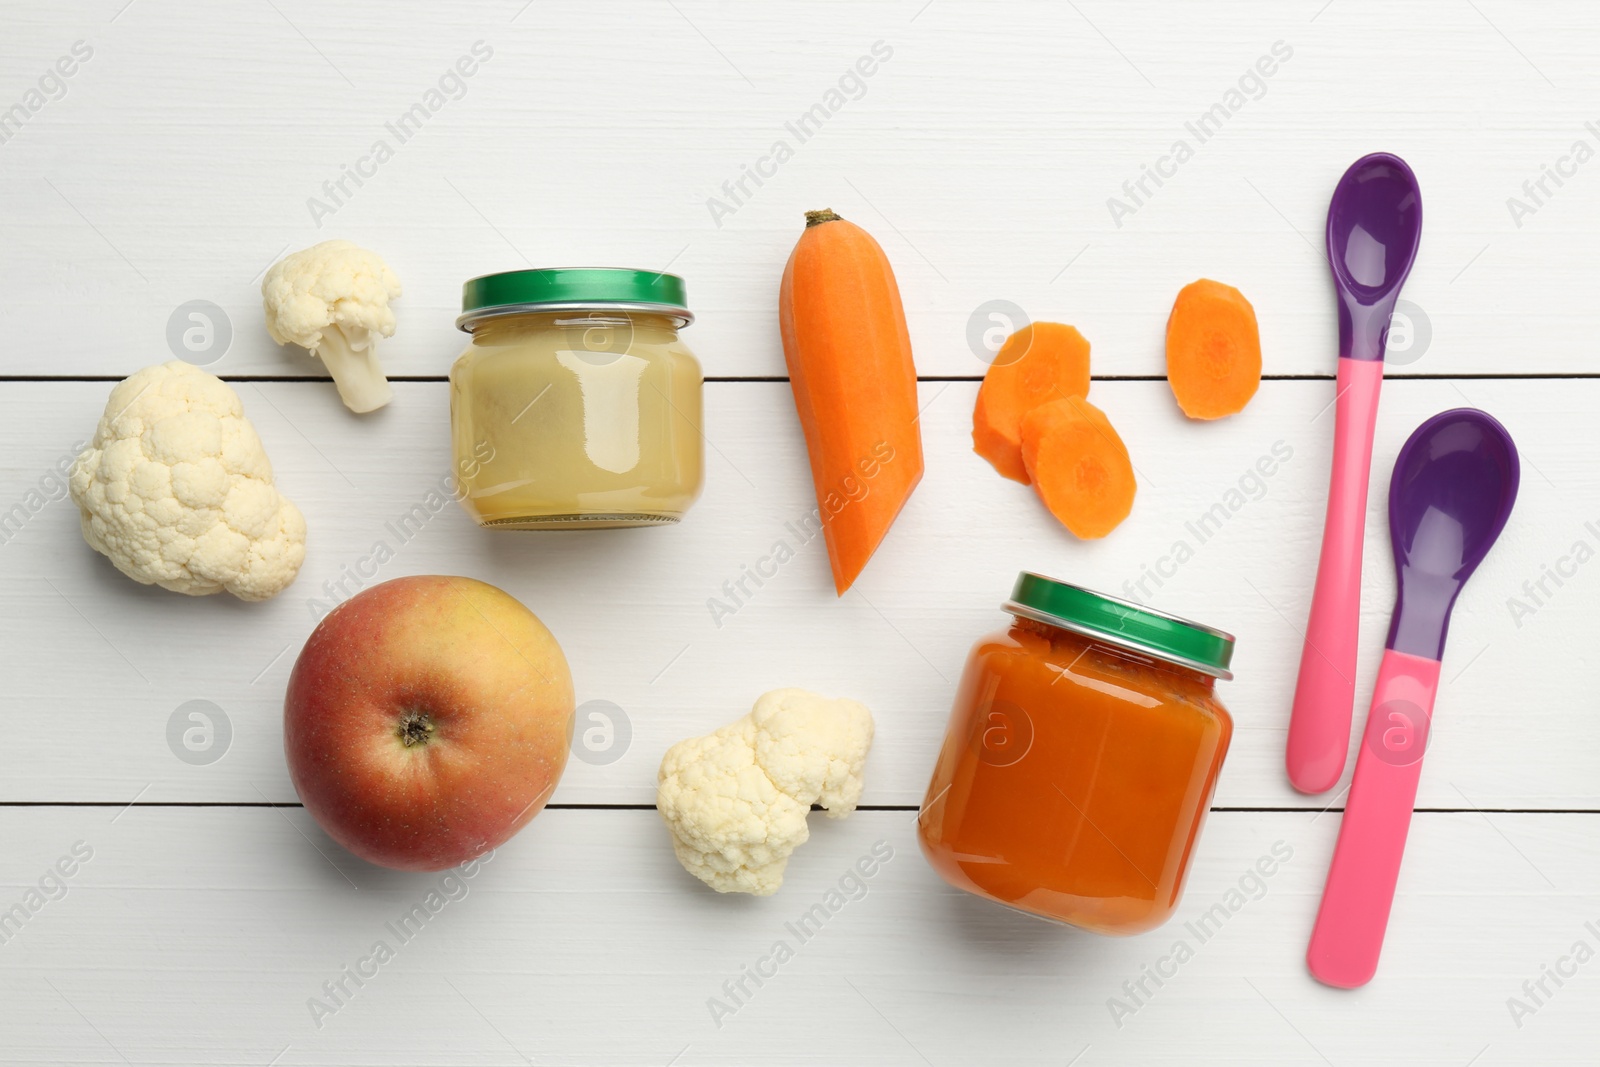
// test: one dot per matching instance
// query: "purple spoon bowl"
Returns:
(1374, 226)
(1454, 483)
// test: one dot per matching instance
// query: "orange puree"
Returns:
(1074, 778)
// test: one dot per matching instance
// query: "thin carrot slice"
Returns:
(1079, 466)
(1041, 362)
(1213, 350)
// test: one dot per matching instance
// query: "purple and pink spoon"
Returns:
(1374, 224)
(1453, 487)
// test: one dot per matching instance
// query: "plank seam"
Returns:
(907, 808)
(716, 379)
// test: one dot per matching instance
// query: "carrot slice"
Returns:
(1213, 350)
(855, 386)
(1079, 466)
(1041, 362)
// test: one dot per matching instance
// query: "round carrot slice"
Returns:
(1041, 362)
(1213, 350)
(1079, 466)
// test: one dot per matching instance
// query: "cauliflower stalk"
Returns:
(333, 299)
(736, 800)
(176, 490)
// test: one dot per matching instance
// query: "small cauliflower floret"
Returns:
(736, 800)
(176, 491)
(333, 299)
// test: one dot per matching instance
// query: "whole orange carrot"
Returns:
(855, 386)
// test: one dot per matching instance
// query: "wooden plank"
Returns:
(984, 153)
(97, 665)
(200, 936)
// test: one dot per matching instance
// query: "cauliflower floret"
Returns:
(736, 800)
(176, 490)
(333, 299)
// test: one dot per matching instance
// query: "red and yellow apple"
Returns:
(427, 720)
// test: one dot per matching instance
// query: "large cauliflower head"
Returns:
(736, 800)
(176, 490)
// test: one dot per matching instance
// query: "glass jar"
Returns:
(1080, 759)
(576, 405)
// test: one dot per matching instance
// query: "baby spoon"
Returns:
(1454, 483)
(1374, 223)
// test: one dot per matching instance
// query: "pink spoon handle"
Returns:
(1319, 726)
(1348, 936)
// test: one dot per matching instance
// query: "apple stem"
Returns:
(416, 728)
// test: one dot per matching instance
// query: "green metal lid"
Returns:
(516, 292)
(1123, 623)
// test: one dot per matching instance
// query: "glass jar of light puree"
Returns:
(576, 405)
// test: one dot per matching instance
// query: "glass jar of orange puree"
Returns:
(1080, 759)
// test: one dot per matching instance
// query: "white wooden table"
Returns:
(176, 163)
